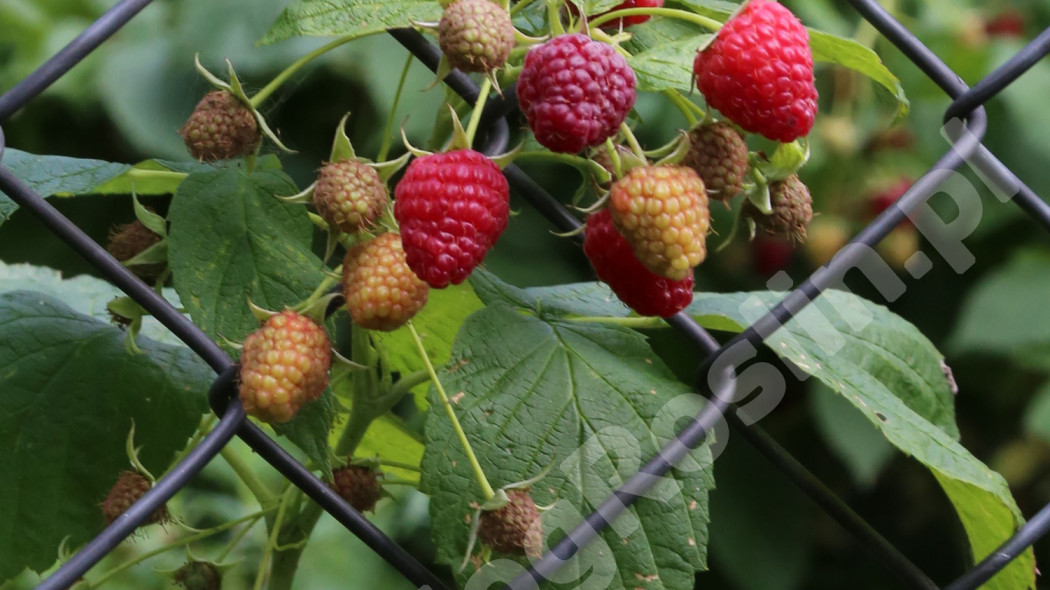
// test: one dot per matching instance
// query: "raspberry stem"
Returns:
(632, 141)
(479, 107)
(688, 108)
(288, 72)
(703, 21)
(479, 473)
(262, 494)
(388, 137)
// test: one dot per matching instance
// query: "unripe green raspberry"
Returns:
(476, 35)
(514, 529)
(792, 210)
(220, 128)
(663, 213)
(381, 291)
(349, 195)
(284, 364)
(719, 155)
(130, 486)
(358, 485)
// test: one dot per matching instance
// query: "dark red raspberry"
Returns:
(358, 485)
(1006, 24)
(883, 199)
(639, 288)
(575, 92)
(759, 72)
(771, 255)
(452, 207)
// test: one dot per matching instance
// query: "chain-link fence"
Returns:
(965, 124)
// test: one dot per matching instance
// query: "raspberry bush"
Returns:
(372, 296)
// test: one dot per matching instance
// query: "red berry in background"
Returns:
(284, 365)
(1010, 24)
(759, 72)
(627, 21)
(771, 254)
(883, 199)
(381, 291)
(451, 207)
(639, 288)
(476, 35)
(575, 92)
(662, 212)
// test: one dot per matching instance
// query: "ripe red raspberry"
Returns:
(220, 128)
(198, 575)
(476, 35)
(719, 155)
(452, 207)
(1010, 23)
(358, 485)
(792, 210)
(131, 239)
(284, 364)
(662, 211)
(759, 72)
(349, 195)
(638, 287)
(883, 199)
(382, 292)
(130, 486)
(771, 254)
(515, 528)
(627, 21)
(575, 92)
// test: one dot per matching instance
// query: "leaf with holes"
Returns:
(343, 18)
(71, 391)
(583, 400)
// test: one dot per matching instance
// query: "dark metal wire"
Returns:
(493, 134)
(69, 56)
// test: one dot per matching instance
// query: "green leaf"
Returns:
(71, 391)
(309, 430)
(1005, 313)
(662, 67)
(231, 240)
(339, 18)
(905, 396)
(850, 54)
(851, 437)
(437, 323)
(55, 175)
(718, 9)
(84, 294)
(1037, 415)
(580, 399)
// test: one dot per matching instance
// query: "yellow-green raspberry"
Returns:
(349, 195)
(284, 364)
(382, 292)
(662, 211)
(476, 35)
(221, 128)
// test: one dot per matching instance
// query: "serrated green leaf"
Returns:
(70, 393)
(325, 18)
(850, 54)
(718, 9)
(1005, 313)
(580, 398)
(663, 67)
(390, 440)
(231, 240)
(55, 175)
